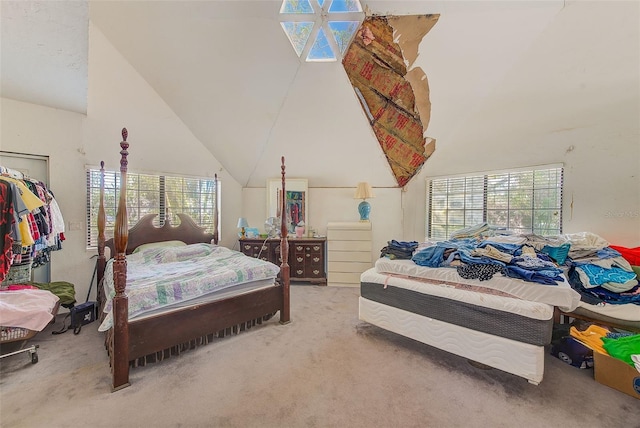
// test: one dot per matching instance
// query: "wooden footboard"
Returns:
(161, 335)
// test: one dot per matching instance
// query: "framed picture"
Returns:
(295, 197)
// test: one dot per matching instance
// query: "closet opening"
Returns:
(36, 167)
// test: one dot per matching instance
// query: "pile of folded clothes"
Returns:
(399, 249)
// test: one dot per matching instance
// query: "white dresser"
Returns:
(348, 252)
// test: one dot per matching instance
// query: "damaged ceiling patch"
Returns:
(394, 96)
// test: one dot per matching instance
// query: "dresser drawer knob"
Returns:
(299, 248)
(299, 272)
(316, 272)
(316, 248)
(316, 259)
(247, 247)
(299, 259)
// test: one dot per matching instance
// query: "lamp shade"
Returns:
(363, 191)
(242, 222)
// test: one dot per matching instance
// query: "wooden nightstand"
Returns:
(306, 256)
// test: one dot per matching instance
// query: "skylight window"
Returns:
(320, 30)
(301, 30)
(344, 6)
(296, 6)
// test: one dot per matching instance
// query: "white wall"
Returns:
(322, 114)
(329, 204)
(570, 96)
(32, 129)
(159, 142)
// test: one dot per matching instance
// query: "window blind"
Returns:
(522, 201)
(150, 194)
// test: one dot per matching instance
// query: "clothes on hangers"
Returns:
(31, 222)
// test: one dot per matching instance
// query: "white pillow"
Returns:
(161, 244)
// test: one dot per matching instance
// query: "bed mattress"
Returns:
(627, 312)
(214, 296)
(173, 277)
(561, 295)
(495, 314)
(503, 323)
(624, 316)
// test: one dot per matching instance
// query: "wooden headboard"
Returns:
(145, 232)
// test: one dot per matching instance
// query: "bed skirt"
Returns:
(176, 350)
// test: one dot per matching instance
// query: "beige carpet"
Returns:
(325, 369)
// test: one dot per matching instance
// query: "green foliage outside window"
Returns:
(163, 195)
(521, 201)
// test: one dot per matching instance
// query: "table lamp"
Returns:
(364, 192)
(242, 223)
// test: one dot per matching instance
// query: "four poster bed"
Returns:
(238, 291)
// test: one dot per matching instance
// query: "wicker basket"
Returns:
(14, 334)
(18, 274)
(14, 338)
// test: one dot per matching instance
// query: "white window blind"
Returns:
(522, 201)
(150, 194)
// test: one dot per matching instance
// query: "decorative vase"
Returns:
(299, 231)
(364, 208)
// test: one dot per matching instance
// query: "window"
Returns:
(328, 26)
(522, 201)
(147, 194)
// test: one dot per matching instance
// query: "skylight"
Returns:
(320, 30)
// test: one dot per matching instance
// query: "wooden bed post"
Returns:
(102, 221)
(120, 310)
(284, 255)
(215, 211)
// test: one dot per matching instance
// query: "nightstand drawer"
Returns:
(349, 256)
(350, 246)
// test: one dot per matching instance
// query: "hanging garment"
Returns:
(6, 220)
(31, 201)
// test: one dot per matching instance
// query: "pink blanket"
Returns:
(31, 309)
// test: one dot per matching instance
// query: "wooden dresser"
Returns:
(306, 256)
(349, 252)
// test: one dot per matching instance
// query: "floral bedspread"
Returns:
(159, 277)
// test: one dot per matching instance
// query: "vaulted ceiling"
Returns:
(226, 68)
